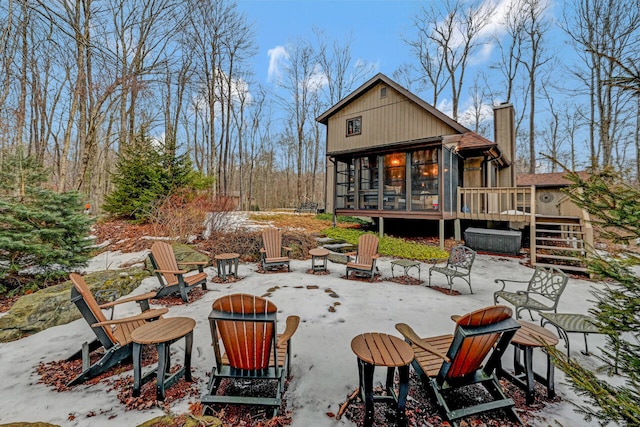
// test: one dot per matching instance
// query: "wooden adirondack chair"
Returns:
(172, 279)
(458, 265)
(365, 256)
(450, 362)
(542, 294)
(273, 254)
(246, 326)
(112, 334)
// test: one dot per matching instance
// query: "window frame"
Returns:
(356, 126)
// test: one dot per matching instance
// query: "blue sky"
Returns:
(375, 25)
(377, 28)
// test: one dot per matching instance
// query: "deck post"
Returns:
(441, 223)
(456, 230)
(532, 227)
(381, 226)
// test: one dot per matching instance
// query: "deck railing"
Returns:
(496, 204)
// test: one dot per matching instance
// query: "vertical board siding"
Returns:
(385, 121)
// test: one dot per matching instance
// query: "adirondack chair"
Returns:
(112, 334)
(173, 279)
(246, 326)
(273, 254)
(542, 294)
(451, 362)
(365, 256)
(458, 265)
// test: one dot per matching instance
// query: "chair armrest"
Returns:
(171, 271)
(292, 326)
(263, 250)
(410, 335)
(351, 253)
(376, 256)
(193, 263)
(455, 317)
(147, 315)
(134, 298)
(286, 249)
(505, 281)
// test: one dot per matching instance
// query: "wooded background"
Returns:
(82, 78)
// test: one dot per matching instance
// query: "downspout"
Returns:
(335, 177)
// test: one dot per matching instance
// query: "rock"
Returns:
(52, 306)
(191, 421)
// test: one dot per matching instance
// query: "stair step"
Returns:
(541, 230)
(562, 257)
(564, 267)
(560, 248)
(560, 239)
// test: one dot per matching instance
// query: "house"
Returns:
(391, 155)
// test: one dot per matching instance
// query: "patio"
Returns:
(324, 370)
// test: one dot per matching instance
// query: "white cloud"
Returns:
(276, 56)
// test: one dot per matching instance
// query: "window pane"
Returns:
(368, 185)
(344, 184)
(395, 181)
(424, 180)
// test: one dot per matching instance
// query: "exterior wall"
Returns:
(548, 201)
(385, 121)
(472, 174)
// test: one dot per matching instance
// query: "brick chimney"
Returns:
(504, 125)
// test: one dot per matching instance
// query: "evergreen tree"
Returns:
(147, 173)
(39, 228)
(614, 207)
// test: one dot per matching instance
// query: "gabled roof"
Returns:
(554, 179)
(381, 78)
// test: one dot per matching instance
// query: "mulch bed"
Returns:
(421, 411)
(175, 299)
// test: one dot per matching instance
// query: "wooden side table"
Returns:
(162, 332)
(319, 254)
(407, 264)
(528, 337)
(224, 262)
(377, 349)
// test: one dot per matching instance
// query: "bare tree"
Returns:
(446, 39)
(602, 32)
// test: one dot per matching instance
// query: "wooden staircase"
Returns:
(560, 242)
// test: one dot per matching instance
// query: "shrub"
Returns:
(390, 246)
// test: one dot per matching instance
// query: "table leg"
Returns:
(403, 391)
(517, 363)
(137, 368)
(187, 356)
(367, 383)
(551, 388)
(235, 269)
(528, 370)
(162, 368)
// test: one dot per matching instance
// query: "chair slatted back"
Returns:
(90, 310)
(475, 336)
(165, 259)
(367, 248)
(248, 338)
(272, 241)
(548, 282)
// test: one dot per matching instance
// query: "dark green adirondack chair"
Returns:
(112, 334)
(246, 327)
(171, 277)
(470, 356)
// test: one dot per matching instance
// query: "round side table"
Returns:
(376, 349)
(162, 333)
(224, 262)
(319, 254)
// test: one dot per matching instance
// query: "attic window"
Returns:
(353, 126)
(383, 92)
